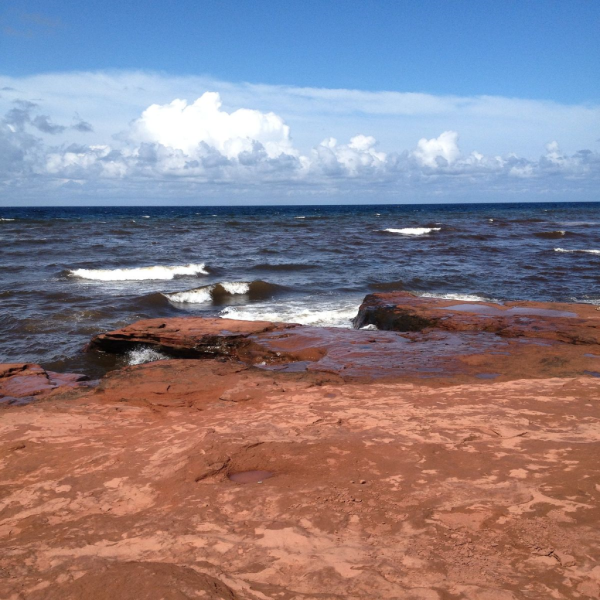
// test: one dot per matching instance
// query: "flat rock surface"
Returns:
(392, 490)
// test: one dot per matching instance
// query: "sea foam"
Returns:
(206, 293)
(584, 251)
(295, 312)
(413, 230)
(461, 297)
(139, 356)
(140, 273)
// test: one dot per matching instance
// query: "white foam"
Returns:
(414, 230)
(235, 287)
(584, 251)
(295, 312)
(461, 297)
(139, 273)
(198, 296)
(299, 217)
(145, 216)
(139, 356)
(204, 294)
(1, 219)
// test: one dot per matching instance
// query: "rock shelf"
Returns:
(453, 456)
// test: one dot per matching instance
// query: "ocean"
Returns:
(69, 273)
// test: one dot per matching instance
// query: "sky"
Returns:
(235, 102)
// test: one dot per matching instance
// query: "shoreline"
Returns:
(451, 455)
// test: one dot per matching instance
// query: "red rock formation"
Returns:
(396, 472)
(427, 338)
(21, 383)
(383, 490)
(403, 311)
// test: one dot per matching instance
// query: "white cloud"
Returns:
(100, 137)
(184, 126)
(440, 151)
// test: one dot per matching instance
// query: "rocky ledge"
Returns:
(278, 461)
(417, 339)
(21, 383)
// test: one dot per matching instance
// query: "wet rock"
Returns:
(403, 311)
(21, 383)
(187, 337)
(418, 339)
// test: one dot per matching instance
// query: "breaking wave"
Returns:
(295, 312)
(413, 230)
(584, 251)
(208, 293)
(461, 297)
(139, 356)
(139, 273)
(2, 219)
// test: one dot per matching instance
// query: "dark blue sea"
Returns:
(69, 273)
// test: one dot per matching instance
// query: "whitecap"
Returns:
(198, 296)
(461, 297)
(414, 230)
(139, 273)
(299, 217)
(326, 315)
(1, 219)
(139, 356)
(235, 287)
(583, 251)
(205, 294)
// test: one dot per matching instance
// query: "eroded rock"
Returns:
(21, 383)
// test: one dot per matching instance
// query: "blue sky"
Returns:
(445, 100)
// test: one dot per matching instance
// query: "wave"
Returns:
(413, 230)
(220, 291)
(296, 312)
(551, 235)
(2, 219)
(139, 356)
(139, 273)
(461, 297)
(583, 251)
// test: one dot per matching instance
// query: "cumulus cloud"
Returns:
(440, 151)
(179, 144)
(184, 127)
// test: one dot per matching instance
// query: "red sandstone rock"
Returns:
(430, 339)
(403, 311)
(22, 382)
(380, 466)
(477, 492)
(184, 337)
